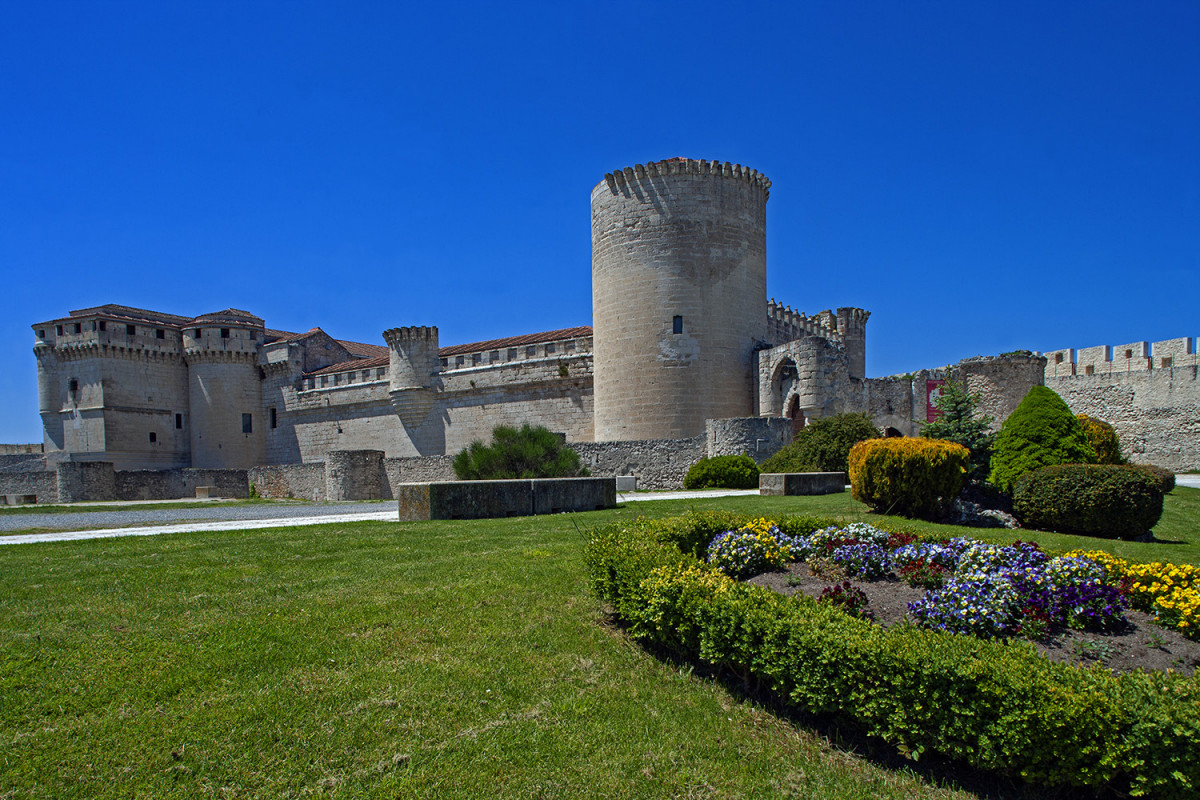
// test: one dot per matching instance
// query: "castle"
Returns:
(683, 335)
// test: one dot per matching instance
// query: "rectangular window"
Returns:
(72, 386)
(1058, 358)
(196, 333)
(366, 376)
(570, 347)
(677, 324)
(153, 437)
(324, 380)
(337, 379)
(58, 329)
(247, 423)
(131, 330)
(1166, 362)
(349, 377)
(103, 325)
(476, 358)
(445, 363)
(1129, 354)
(380, 372)
(1089, 370)
(550, 348)
(274, 419)
(494, 356)
(531, 351)
(78, 328)
(42, 333)
(179, 422)
(458, 362)
(224, 333)
(159, 333)
(512, 353)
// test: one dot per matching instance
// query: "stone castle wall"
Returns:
(1149, 392)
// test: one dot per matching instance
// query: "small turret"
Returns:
(413, 361)
(852, 325)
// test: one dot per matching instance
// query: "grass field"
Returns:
(437, 659)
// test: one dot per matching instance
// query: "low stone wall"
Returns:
(172, 484)
(493, 499)
(758, 437)
(418, 469)
(356, 475)
(656, 463)
(302, 481)
(86, 480)
(779, 484)
(21, 484)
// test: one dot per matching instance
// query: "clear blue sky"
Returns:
(982, 177)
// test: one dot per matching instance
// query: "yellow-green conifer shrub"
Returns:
(906, 476)
(1103, 439)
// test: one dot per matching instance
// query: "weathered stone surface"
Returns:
(555, 495)
(801, 483)
(512, 498)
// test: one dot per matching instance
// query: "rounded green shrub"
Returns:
(1165, 477)
(1103, 439)
(1108, 500)
(1041, 432)
(906, 476)
(823, 445)
(531, 452)
(722, 472)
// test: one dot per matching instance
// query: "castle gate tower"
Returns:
(225, 390)
(679, 296)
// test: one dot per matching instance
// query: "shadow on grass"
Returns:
(846, 736)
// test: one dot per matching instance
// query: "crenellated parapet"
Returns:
(621, 179)
(1122, 358)
(784, 324)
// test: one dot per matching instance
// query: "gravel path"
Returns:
(130, 515)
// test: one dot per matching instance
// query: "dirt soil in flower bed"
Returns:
(1141, 644)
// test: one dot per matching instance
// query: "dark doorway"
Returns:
(795, 415)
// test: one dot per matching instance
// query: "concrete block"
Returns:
(465, 500)
(627, 483)
(556, 495)
(801, 483)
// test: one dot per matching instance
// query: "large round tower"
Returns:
(679, 296)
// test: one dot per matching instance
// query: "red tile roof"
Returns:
(517, 341)
(351, 366)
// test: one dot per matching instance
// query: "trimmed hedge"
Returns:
(997, 706)
(1165, 477)
(1108, 500)
(910, 477)
(722, 472)
(1040, 432)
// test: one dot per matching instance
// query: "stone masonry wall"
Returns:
(41, 484)
(302, 481)
(758, 437)
(657, 463)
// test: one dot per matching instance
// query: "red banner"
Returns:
(933, 390)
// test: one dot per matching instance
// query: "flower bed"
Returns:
(993, 704)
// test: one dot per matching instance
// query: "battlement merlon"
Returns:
(686, 166)
(1122, 358)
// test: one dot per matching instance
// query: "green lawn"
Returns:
(437, 659)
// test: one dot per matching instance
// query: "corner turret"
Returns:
(413, 360)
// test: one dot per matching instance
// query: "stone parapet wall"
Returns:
(41, 484)
(657, 463)
(172, 484)
(418, 469)
(758, 437)
(302, 481)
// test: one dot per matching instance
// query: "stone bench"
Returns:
(801, 483)
(205, 492)
(511, 498)
(18, 499)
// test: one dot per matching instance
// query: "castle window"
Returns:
(1166, 362)
(103, 325)
(1129, 354)
(550, 348)
(42, 333)
(179, 422)
(72, 386)
(476, 358)
(58, 329)
(349, 377)
(1058, 358)
(458, 362)
(512, 353)
(131, 330)
(366, 376)
(247, 423)
(159, 333)
(153, 437)
(196, 333)
(274, 419)
(324, 380)
(445, 363)
(531, 351)
(570, 347)
(1089, 370)
(224, 333)
(494, 356)
(379, 372)
(677, 324)
(312, 383)
(78, 328)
